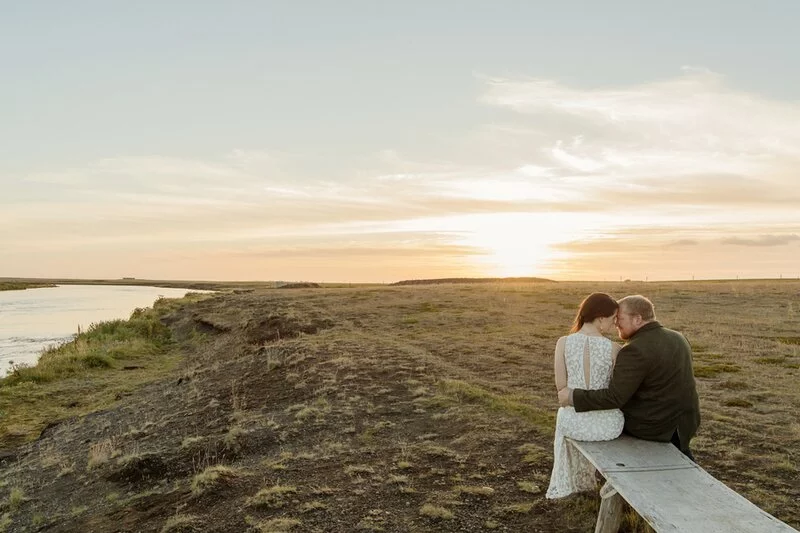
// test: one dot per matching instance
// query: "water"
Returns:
(35, 319)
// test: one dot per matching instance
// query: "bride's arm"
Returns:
(560, 365)
(615, 348)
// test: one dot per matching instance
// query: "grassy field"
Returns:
(20, 286)
(409, 408)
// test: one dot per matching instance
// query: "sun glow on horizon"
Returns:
(515, 244)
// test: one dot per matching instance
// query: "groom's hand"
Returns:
(565, 397)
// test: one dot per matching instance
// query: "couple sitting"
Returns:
(645, 388)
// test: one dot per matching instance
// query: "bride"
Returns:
(584, 359)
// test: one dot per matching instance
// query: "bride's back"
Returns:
(589, 360)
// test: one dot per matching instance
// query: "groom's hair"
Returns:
(636, 304)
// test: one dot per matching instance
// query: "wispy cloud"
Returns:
(683, 242)
(693, 124)
(762, 240)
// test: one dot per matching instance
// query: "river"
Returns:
(35, 319)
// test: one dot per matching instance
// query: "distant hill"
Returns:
(300, 285)
(472, 280)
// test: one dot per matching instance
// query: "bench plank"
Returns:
(671, 492)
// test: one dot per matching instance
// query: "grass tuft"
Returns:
(473, 491)
(436, 511)
(212, 478)
(517, 508)
(101, 452)
(274, 525)
(272, 497)
(711, 370)
(181, 523)
(16, 498)
(529, 487)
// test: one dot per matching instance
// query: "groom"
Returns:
(653, 381)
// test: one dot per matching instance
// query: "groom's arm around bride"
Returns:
(653, 380)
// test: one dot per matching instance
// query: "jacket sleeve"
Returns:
(629, 372)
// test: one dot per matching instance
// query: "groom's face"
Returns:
(626, 323)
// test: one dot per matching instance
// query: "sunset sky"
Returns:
(378, 141)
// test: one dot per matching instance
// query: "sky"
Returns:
(364, 141)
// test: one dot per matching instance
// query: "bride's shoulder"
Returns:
(562, 341)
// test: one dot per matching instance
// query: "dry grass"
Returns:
(15, 499)
(272, 497)
(473, 490)
(213, 478)
(528, 486)
(436, 511)
(5, 522)
(417, 400)
(182, 523)
(101, 453)
(520, 508)
(274, 525)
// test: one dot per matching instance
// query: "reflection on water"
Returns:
(35, 319)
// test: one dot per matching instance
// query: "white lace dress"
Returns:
(589, 364)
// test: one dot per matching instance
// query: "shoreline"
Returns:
(38, 321)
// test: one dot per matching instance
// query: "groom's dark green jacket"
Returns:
(653, 383)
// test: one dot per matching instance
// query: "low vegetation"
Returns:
(181, 523)
(425, 407)
(103, 363)
(213, 478)
(21, 286)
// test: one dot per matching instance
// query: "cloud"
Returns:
(762, 240)
(623, 174)
(683, 242)
(653, 238)
(359, 252)
(691, 123)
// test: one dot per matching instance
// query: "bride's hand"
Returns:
(563, 397)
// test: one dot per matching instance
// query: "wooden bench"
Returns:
(669, 491)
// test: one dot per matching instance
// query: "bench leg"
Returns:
(610, 516)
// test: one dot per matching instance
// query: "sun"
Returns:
(504, 244)
(513, 262)
(505, 257)
(509, 244)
